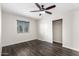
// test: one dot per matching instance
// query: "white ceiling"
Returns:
(25, 8)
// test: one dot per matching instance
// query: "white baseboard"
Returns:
(71, 48)
(18, 42)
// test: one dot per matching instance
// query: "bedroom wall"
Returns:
(45, 28)
(67, 29)
(75, 36)
(73, 42)
(9, 29)
(0, 30)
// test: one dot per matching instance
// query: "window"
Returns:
(22, 26)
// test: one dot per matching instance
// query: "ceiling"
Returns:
(25, 8)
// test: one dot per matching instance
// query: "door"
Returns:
(57, 31)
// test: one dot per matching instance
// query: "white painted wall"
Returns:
(73, 42)
(45, 28)
(0, 30)
(9, 29)
(67, 29)
(75, 32)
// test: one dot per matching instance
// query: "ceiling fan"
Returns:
(42, 9)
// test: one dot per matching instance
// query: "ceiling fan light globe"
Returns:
(42, 12)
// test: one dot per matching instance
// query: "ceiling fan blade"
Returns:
(48, 12)
(50, 7)
(36, 11)
(38, 5)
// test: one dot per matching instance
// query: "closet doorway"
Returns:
(57, 31)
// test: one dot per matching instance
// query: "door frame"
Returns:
(53, 32)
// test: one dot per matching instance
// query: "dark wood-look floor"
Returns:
(37, 48)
